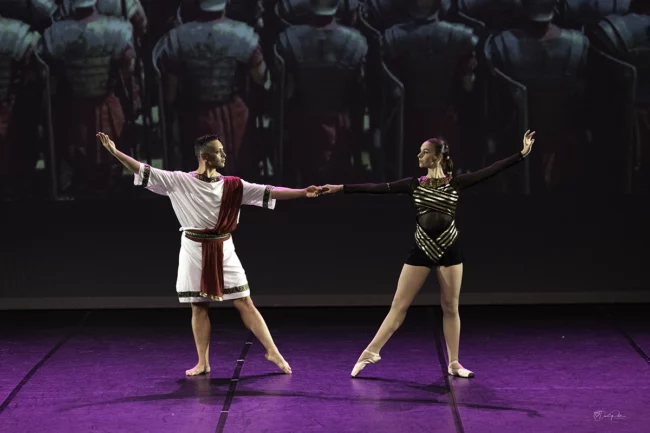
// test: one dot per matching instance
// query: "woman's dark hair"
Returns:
(201, 143)
(441, 147)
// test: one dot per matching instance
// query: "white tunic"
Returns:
(196, 203)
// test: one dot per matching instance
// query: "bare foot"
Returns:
(198, 370)
(278, 360)
(455, 369)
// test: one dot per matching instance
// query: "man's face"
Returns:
(214, 156)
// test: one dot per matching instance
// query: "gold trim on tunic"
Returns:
(229, 291)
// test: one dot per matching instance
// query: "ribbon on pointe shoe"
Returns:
(367, 357)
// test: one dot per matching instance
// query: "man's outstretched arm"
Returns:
(280, 193)
(128, 162)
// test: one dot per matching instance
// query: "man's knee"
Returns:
(200, 308)
(244, 304)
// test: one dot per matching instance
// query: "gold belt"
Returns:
(205, 236)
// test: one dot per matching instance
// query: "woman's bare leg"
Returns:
(450, 279)
(410, 282)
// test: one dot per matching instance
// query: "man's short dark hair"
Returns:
(201, 143)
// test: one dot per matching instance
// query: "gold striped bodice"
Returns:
(441, 199)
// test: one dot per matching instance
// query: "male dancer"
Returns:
(207, 206)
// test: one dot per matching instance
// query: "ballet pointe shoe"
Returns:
(459, 371)
(367, 357)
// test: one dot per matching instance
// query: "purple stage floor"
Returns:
(567, 369)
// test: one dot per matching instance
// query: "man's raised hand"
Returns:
(107, 142)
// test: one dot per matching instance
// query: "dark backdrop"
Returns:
(342, 250)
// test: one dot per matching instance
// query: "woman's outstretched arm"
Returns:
(403, 186)
(466, 180)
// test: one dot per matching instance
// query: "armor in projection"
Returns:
(210, 53)
(549, 68)
(325, 65)
(430, 58)
(91, 59)
(383, 14)
(426, 58)
(324, 62)
(37, 13)
(246, 11)
(113, 8)
(298, 11)
(552, 68)
(17, 42)
(496, 14)
(577, 13)
(85, 52)
(209, 59)
(130, 10)
(628, 38)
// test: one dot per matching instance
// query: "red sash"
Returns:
(212, 284)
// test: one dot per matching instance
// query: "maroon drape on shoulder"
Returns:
(212, 284)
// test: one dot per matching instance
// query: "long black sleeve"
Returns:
(466, 180)
(404, 186)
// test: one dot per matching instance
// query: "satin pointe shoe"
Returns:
(459, 372)
(366, 358)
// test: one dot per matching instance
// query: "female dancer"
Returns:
(435, 196)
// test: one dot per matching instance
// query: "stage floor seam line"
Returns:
(443, 366)
(234, 380)
(71, 332)
(612, 320)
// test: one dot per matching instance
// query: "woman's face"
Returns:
(427, 157)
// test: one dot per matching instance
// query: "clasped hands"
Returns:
(317, 191)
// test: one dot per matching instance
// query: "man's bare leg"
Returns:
(201, 329)
(254, 321)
